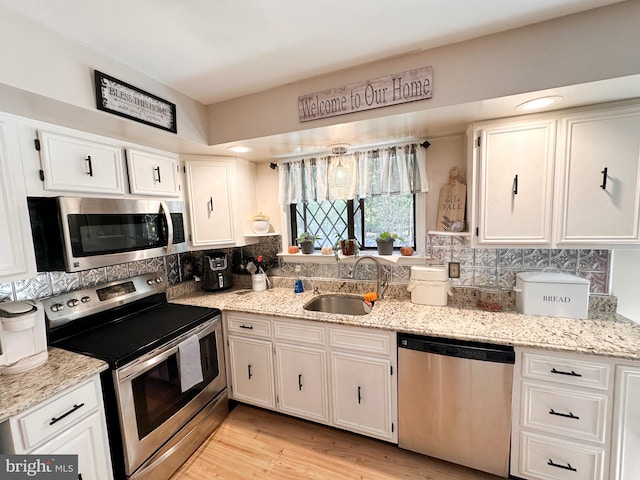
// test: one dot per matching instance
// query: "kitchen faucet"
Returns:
(383, 284)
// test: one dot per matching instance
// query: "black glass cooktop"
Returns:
(122, 341)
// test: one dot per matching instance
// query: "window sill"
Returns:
(318, 257)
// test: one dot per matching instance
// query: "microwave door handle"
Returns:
(167, 216)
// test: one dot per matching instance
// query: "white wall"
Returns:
(626, 282)
(38, 65)
(586, 47)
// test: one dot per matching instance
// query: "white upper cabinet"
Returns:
(515, 182)
(81, 163)
(570, 178)
(222, 200)
(598, 164)
(152, 173)
(17, 259)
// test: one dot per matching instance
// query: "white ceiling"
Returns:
(214, 50)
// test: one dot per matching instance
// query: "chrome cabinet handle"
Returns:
(57, 419)
(565, 467)
(515, 185)
(604, 178)
(157, 170)
(560, 372)
(211, 204)
(566, 415)
(300, 382)
(89, 165)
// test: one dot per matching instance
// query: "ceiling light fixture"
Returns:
(341, 171)
(239, 149)
(538, 103)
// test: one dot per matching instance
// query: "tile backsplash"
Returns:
(477, 267)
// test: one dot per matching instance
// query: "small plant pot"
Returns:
(385, 247)
(306, 247)
(348, 247)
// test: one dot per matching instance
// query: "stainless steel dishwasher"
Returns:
(454, 401)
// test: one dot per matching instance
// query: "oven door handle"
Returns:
(167, 216)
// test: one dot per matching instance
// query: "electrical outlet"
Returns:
(454, 269)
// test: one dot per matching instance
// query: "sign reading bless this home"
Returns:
(380, 92)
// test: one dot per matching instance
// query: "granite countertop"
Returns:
(63, 369)
(606, 334)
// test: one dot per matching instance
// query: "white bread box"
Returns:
(552, 294)
(429, 285)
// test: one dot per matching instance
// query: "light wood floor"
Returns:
(257, 444)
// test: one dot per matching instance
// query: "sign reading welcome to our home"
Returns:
(380, 92)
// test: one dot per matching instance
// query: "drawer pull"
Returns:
(359, 396)
(565, 467)
(571, 373)
(249, 372)
(248, 327)
(300, 382)
(57, 419)
(566, 415)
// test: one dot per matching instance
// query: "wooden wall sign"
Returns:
(451, 204)
(380, 92)
(120, 98)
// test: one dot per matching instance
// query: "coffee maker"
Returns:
(217, 272)
(23, 337)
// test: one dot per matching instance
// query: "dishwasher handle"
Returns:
(458, 348)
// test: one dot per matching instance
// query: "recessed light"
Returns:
(538, 103)
(239, 149)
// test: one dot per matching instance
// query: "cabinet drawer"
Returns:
(549, 458)
(248, 325)
(566, 370)
(311, 334)
(566, 411)
(362, 340)
(52, 417)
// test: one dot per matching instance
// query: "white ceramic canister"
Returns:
(259, 282)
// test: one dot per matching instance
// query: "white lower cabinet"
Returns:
(335, 375)
(625, 459)
(362, 394)
(302, 381)
(562, 408)
(71, 422)
(251, 368)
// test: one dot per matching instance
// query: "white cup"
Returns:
(259, 282)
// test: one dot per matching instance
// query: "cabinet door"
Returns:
(625, 463)
(88, 440)
(362, 394)
(515, 183)
(210, 204)
(599, 160)
(74, 164)
(17, 259)
(252, 379)
(152, 174)
(302, 382)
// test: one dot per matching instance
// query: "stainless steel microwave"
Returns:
(74, 234)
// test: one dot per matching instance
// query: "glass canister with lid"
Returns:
(490, 298)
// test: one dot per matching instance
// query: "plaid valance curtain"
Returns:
(394, 170)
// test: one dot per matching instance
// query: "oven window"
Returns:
(156, 392)
(94, 234)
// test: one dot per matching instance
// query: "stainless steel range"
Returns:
(166, 389)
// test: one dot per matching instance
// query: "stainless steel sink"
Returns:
(343, 304)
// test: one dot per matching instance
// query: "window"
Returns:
(360, 219)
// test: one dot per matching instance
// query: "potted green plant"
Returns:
(385, 242)
(347, 247)
(306, 242)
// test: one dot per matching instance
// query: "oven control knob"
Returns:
(56, 307)
(85, 299)
(150, 281)
(73, 302)
(158, 279)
